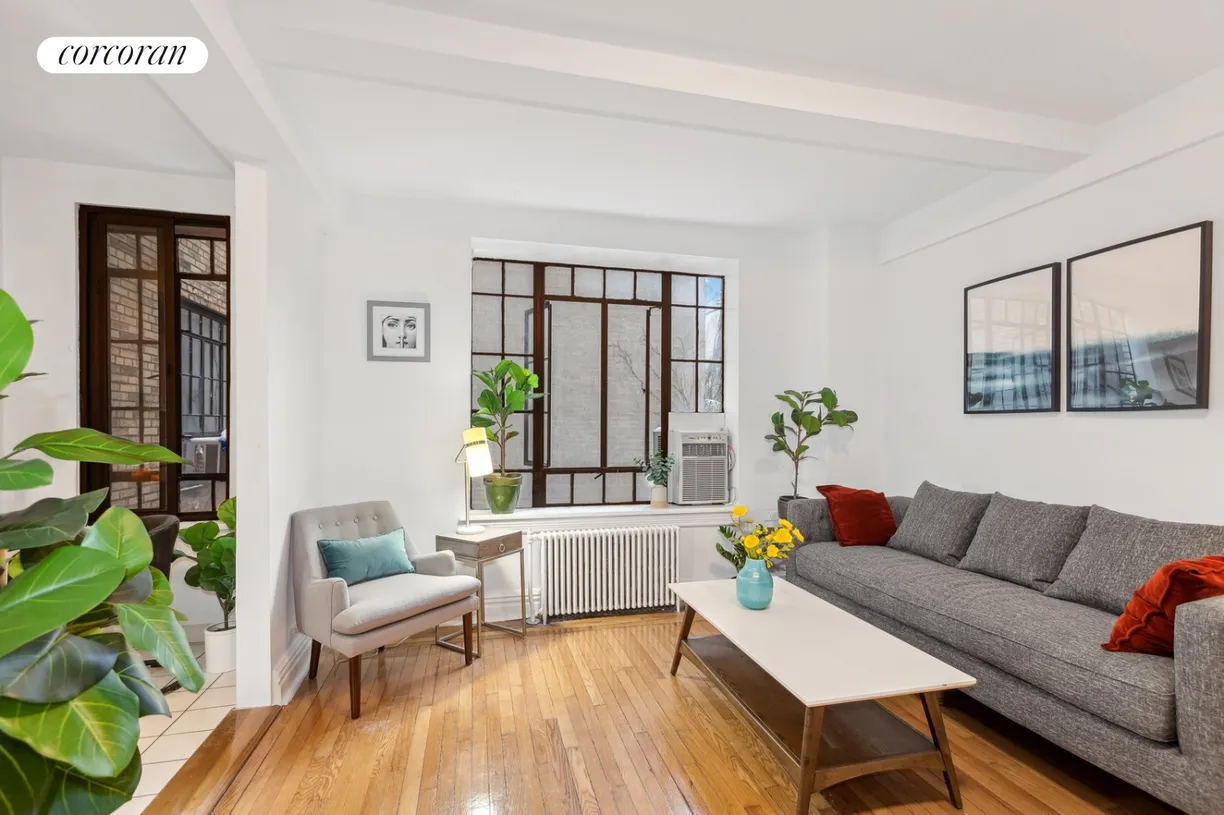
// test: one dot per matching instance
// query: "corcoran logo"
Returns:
(122, 55)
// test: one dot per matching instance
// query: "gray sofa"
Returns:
(1155, 721)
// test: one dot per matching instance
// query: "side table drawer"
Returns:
(481, 547)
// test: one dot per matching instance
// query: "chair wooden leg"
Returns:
(315, 648)
(355, 686)
(467, 638)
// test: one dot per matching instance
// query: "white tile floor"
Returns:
(166, 743)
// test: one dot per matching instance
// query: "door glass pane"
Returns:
(684, 290)
(487, 276)
(620, 285)
(150, 311)
(220, 258)
(195, 496)
(650, 286)
(120, 248)
(684, 333)
(194, 256)
(709, 332)
(710, 384)
(124, 375)
(588, 282)
(486, 324)
(557, 280)
(684, 387)
(123, 307)
(519, 279)
(711, 291)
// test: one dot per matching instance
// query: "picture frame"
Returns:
(1139, 323)
(397, 331)
(1012, 336)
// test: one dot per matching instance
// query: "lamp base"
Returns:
(469, 529)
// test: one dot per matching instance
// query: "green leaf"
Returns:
(515, 400)
(156, 630)
(828, 398)
(70, 582)
(53, 668)
(485, 378)
(801, 449)
(95, 732)
(489, 403)
(75, 794)
(225, 552)
(809, 423)
(501, 369)
(841, 418)
(28, 778)
(17, 474)
(51, 520)
(779, 447)
(781, 397)
(135, 589)
(200, 536)
(192, 576)
(481, 420)
(227, 513)
(86, 444)
(16, 340)
(777, 420)
(120, 533)
(130, 667)
(101, 616)
(162, 594)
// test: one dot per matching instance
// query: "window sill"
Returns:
(546, 518)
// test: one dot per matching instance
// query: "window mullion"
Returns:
(665, 361)
(539, 492)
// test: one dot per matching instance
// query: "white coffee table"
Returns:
(805, 673)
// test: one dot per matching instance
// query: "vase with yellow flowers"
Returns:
(754, 550)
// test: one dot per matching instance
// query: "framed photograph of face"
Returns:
(397, 332)
(1139, 317)
(1011, 342)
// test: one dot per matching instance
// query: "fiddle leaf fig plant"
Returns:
(73, 600)
(508, 389)
(215, 556)
(810, 412)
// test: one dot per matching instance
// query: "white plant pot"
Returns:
(220, 649)
(658, 496)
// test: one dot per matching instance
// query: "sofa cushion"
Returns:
(362, 559)
(391, 599)
(859, 517)
(1051, 644)
(1024, 542)
(811, 515)
(940, 523)
(1147, 624)
(1118, 553)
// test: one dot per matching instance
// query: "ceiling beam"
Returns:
(389, 43)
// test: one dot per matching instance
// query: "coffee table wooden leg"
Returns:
(684, 632)
(939, 735)
(813, 720)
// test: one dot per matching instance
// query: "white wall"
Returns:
(1165, 465)
(39, 263)
(391, 430)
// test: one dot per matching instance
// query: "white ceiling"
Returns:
(116, 121)
(781, 113)
(1079, 60)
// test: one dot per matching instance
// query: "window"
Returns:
(155, 354)
(616, 350)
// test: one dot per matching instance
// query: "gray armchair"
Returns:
(354, 619)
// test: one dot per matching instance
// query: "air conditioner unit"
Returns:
(700, 474)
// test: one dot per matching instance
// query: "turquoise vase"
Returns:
(754, 585)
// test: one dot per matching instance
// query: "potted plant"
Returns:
(508, 387)
(754, 550)
(657, 469)
(810, 412)
(214, 571)
(76, 602)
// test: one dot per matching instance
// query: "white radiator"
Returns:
(591, 571)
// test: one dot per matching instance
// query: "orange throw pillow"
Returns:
(1146, 624)
(860, 517)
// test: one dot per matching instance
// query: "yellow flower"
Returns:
(798, 536)
(751, 541)
(772, 551)
(739, 512)
(785, 524)
(783, 536)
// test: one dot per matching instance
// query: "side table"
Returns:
(477, 551)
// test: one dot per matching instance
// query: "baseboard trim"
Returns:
(291, 669)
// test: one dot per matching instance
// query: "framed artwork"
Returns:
(1011, 342)
(1139, 317)
(397, 332)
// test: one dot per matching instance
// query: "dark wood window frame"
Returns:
(535, 438)
(95, 340)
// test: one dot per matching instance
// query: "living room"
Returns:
(672, 222)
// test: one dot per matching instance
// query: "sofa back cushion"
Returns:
(1146, 626)
(1024, 542)
(859, 517)
(811, 516)
(939, 524)
(1118, 553)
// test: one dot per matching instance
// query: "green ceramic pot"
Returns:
(502, 492)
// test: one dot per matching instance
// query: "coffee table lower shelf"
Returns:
(820, 746)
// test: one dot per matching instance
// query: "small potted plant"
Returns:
(810, 412)
(657, 469)
(754, 550)
(214, 571)
(508, 388)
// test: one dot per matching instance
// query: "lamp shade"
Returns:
(476, 452)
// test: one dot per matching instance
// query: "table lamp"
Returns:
(476, 462)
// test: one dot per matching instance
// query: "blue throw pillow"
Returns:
(357, 561)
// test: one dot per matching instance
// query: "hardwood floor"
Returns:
(582, 717)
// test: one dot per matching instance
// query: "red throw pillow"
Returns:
(1146, 624)
(860, 517)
